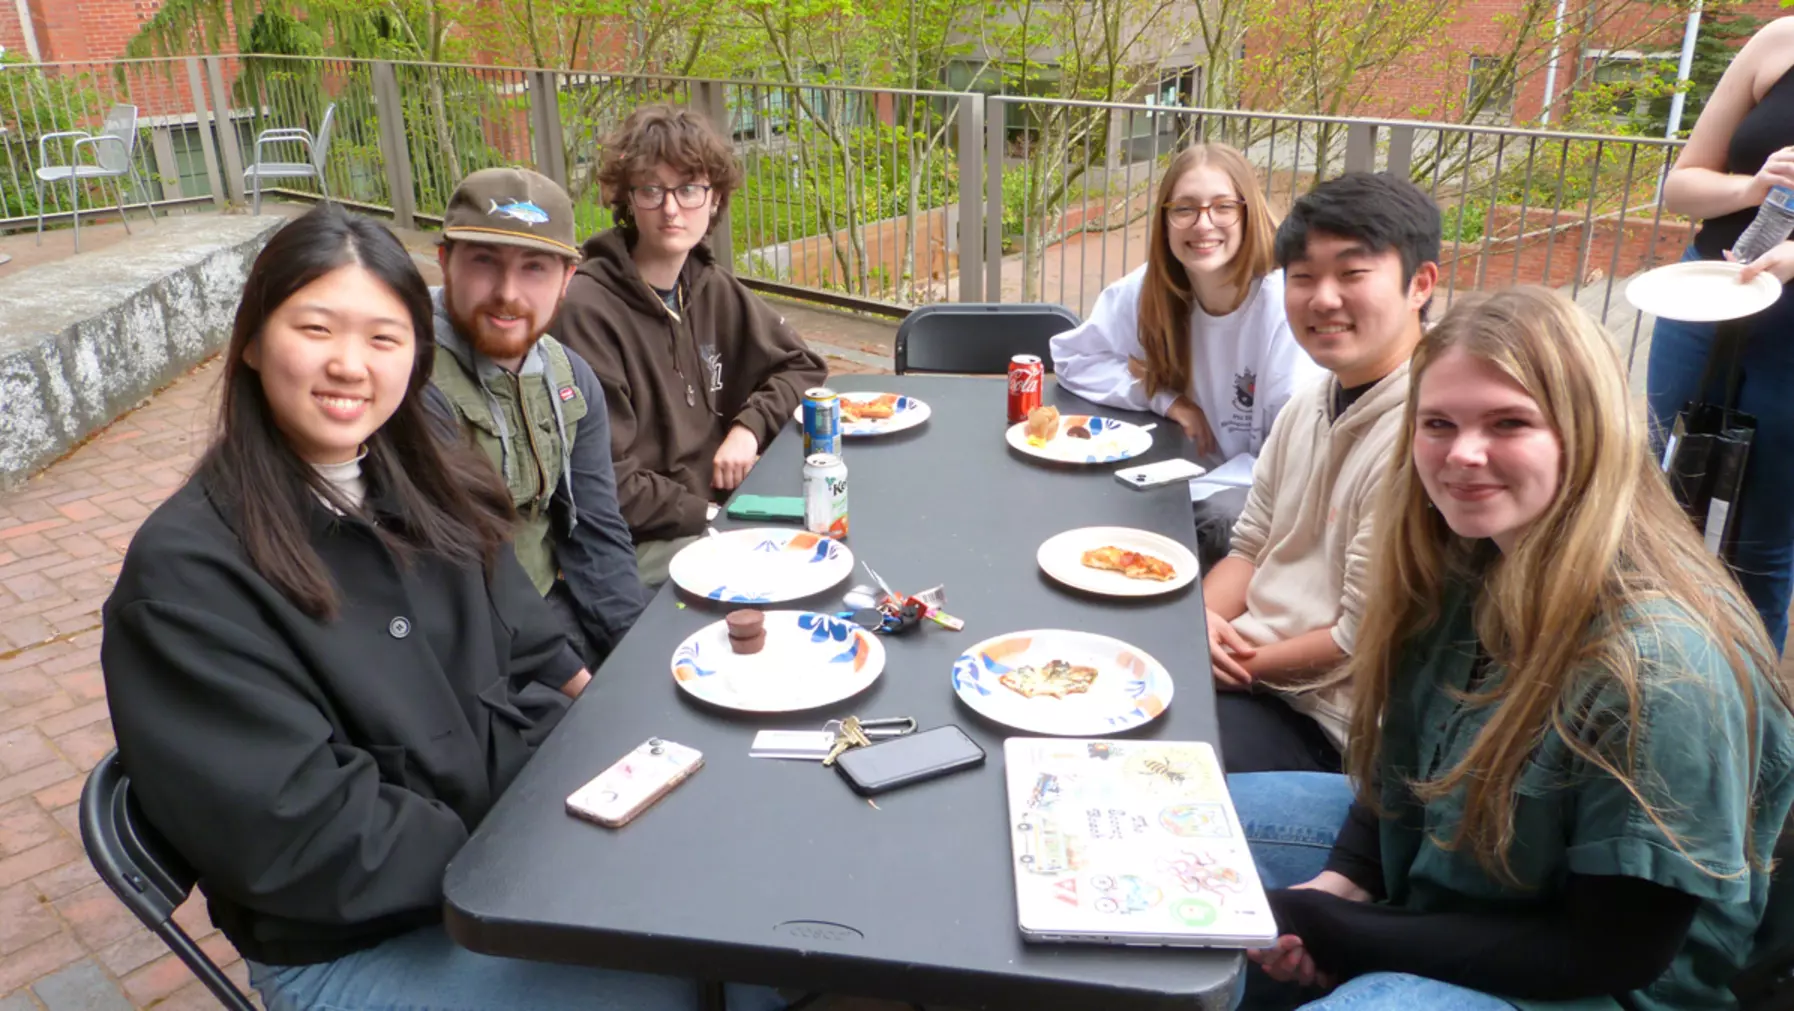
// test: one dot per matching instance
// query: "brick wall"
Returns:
(11, 35)
(1433, 81)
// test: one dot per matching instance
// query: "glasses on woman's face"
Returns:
(690, 196)
(1221, 213)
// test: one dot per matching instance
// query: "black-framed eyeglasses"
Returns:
(690, 196)
(1221, 213)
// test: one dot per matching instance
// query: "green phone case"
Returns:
(767, 507)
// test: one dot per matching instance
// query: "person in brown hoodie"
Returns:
(698, 373)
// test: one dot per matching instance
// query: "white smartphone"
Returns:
(1155, 475)
(615, 796)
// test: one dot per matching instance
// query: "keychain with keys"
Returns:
(835, 737)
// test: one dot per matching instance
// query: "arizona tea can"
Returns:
(822, 421)
(1026, 374)
(825, 495)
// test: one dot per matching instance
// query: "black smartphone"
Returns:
(912, 758)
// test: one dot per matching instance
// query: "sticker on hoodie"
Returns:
(713, 363)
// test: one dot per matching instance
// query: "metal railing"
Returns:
(876, 198)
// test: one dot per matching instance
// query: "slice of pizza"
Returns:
(1056, 679)
(877, 409)
(1132, 564)
(1137, 565)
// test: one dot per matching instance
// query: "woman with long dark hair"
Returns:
(324, 663)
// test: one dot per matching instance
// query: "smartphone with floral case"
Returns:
(615, 796)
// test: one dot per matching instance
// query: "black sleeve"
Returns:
(1610, 935)
(597, 557)
(1358, 850)
(237, 767)
(441, 416)
(539, 648)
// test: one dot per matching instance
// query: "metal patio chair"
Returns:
(114, 151)
(317, 151)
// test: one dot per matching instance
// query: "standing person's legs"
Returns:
(1215, 516)
(1764, 557)
(426, 970)
(653, 557)
(1260, 732)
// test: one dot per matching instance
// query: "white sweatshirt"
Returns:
(1244, 366)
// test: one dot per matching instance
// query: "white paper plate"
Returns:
(1131, 688)
(1110, 441)
(761, 565)
(910, 412)
(809, 660)
(1062, 557)
(1701, 291)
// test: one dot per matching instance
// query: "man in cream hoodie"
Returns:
(1360, 258)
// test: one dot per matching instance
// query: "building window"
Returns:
(1491, 90)
(1631, 85)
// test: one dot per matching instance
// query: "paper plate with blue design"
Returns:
(809, 660)
(876, 413)
(760, 566)
(1084, 438)
(1040, 682)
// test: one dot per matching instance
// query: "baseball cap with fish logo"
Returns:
(512, 207)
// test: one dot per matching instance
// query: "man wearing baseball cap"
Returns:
(534, 406)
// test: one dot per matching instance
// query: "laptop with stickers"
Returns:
(1130, 842)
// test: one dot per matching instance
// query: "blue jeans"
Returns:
(1291, 820)
(426, 970)
(1764, 559)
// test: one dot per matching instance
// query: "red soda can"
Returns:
(1026, 374)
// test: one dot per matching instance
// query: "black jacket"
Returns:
(317, 775)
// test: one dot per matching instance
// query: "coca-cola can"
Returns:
(1026, 375)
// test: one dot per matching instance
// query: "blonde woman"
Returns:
(1197, 334)
(1571, 751)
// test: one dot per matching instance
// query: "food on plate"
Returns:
(877, 409)
(1132, 564)
(1056, 679)
(1077, 432)
(1043, 425)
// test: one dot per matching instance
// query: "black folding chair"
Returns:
(978, 338)
(146, 875)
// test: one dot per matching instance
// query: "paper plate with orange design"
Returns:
(809, 660)
(760, 566)
(1069, 684)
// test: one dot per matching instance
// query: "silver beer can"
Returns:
(825, 495)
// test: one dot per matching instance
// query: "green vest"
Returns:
(526, 445)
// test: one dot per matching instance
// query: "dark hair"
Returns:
(1378, 209)
(446, 500)
(671, 135)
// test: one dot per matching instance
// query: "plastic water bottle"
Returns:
(1770, 228)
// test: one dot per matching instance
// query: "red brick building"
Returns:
(1628, 38)
(71, 30)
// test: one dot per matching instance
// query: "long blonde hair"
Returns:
(1555, 609)
(1165, 297)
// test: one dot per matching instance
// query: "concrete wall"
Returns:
(85, 339)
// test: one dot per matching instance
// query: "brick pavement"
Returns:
(65, 942)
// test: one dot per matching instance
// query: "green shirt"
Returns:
(1692, 761)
